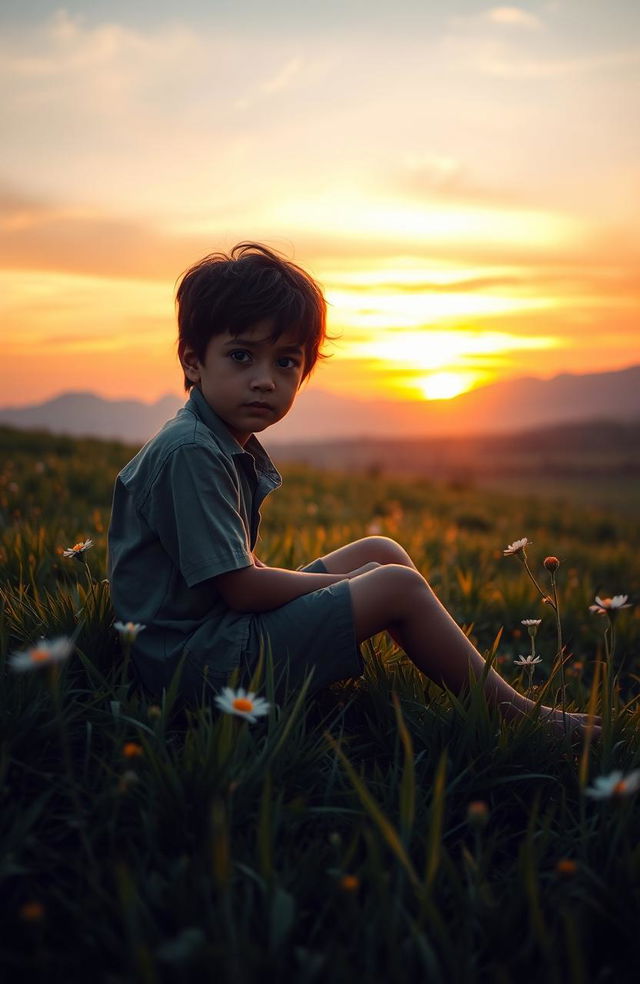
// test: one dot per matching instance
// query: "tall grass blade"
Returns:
(408, 780)
(591, 710)
(434, 836)
(384, 825)
(265, 845)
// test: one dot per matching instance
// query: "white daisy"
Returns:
(615, 784)
(527, 660)
(43, 654)
(607, 606)
(243, 703)
(128, 631)
(531, 622)
(78, 549)
(517, 547)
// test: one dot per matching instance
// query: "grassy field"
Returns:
(381, 830)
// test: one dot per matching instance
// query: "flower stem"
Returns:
(609, 649)
(542, 593)
(54, 679)
(559, 648)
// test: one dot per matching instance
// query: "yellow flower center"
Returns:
(242, 704)
(39, 655)
(620, 788)
(77, 547)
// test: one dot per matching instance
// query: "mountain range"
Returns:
(319, 416)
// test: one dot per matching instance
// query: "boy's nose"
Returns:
(263, 380)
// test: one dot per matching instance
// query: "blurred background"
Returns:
(463, 180)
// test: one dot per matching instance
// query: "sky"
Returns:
(462, 178)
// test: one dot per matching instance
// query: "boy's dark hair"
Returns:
(231, 292)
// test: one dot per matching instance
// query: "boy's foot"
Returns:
(571, 722)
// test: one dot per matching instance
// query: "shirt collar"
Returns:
(264, 465)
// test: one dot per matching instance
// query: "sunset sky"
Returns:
(463, 179)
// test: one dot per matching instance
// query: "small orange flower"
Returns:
(131, 750)
(551, 563)
(566, 867)
(477, 813)
(349, 883)
(31, 912)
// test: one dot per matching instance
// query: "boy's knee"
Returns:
(404, 582)
(386, 551)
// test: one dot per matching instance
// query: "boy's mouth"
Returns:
(260, 406)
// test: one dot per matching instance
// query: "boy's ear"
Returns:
(190, 363)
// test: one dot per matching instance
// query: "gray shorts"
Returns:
(315, 631)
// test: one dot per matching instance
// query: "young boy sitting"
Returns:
(186, 512)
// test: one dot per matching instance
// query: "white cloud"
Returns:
(513, 17)
(282, 79)
(505, 65)
(202, 127)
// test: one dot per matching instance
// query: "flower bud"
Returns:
(478, 814)
(131, 750)
(32, 911)
(349, 883)
(566, 867)
(552, 564)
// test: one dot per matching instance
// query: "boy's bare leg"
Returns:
(398, 599)
(369, 550)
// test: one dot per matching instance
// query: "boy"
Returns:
(186, 513)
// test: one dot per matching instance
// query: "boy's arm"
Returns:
(259, 589)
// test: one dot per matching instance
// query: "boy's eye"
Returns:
(288, 362)
(239, 355)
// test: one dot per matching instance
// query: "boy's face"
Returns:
(248, 380)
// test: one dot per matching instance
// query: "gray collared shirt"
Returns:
(186, 509)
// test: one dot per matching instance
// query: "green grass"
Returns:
(221, 850)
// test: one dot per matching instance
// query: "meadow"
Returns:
(381, 829)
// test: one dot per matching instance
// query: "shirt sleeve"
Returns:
(194, 508)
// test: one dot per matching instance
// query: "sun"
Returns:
(444, 385)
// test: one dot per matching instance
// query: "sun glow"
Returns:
(445, 385)
(403, 309)
(385, 219)
(439, 364)
(425, 349)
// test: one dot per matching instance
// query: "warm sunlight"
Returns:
(440, 364)
(412, 309)
(445, 385)
(425, 349)
(385, 218)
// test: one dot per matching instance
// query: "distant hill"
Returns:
(88, 415)
(598, 449)
(501, 408)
